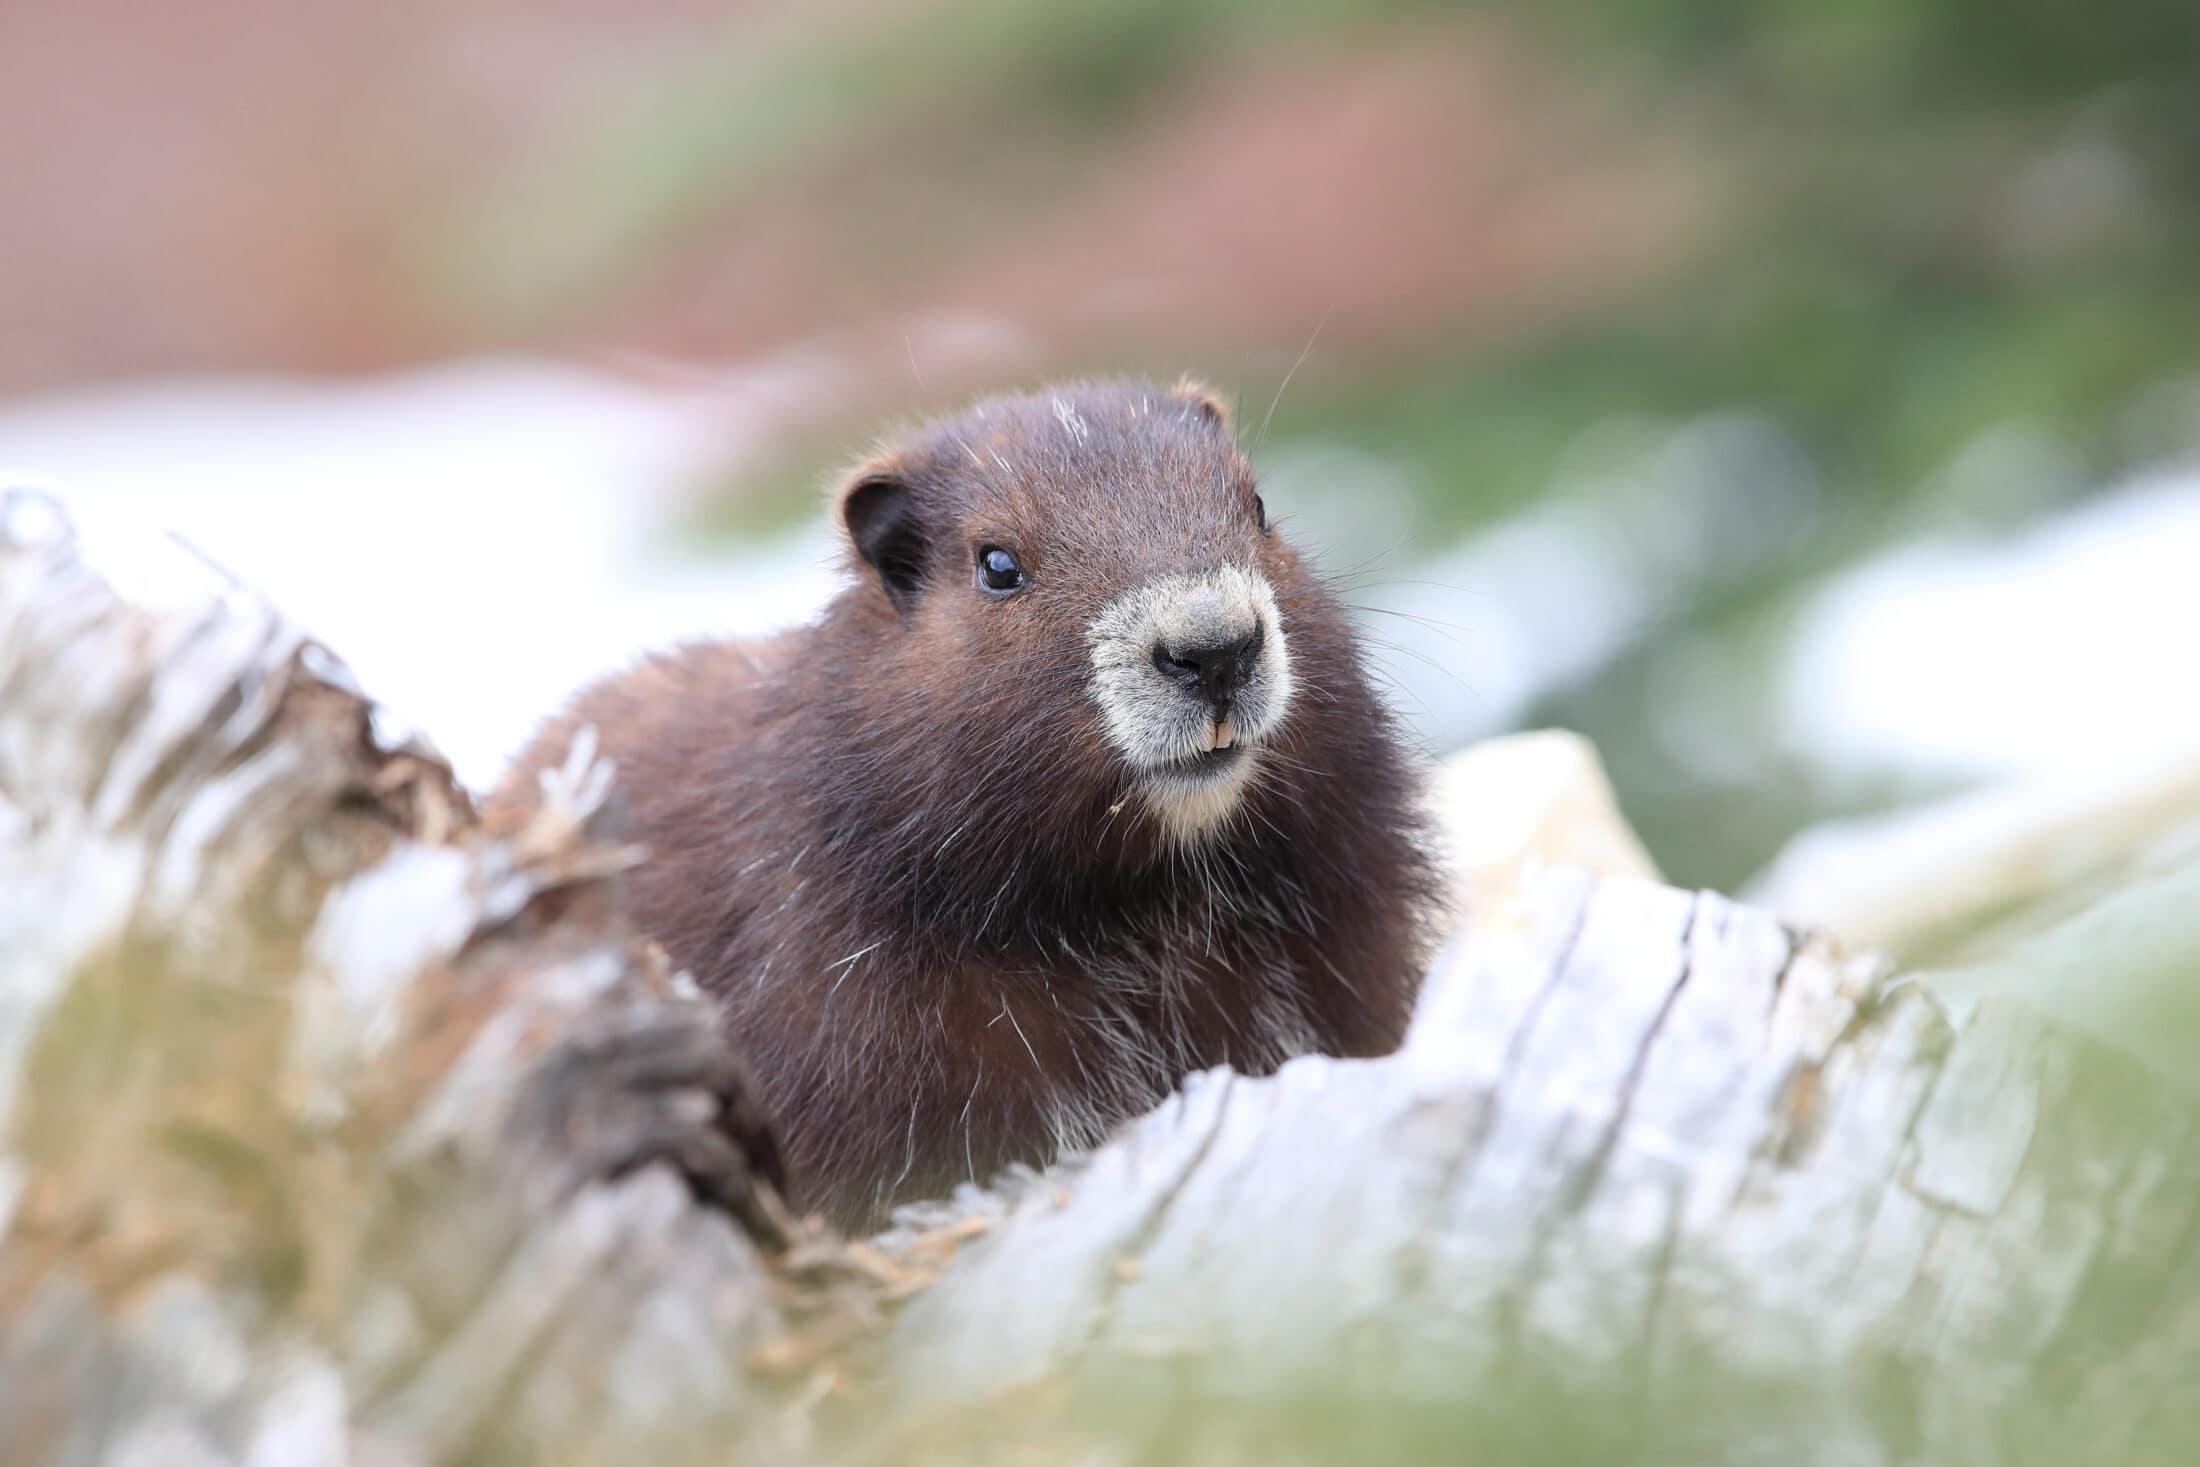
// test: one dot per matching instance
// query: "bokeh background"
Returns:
(1802, 400)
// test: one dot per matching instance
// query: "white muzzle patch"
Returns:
(1192, 766)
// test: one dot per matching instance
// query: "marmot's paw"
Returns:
(663, 1090)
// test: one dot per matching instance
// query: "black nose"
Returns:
(1214, 668)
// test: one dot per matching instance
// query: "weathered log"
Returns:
(317, 1099)
(1653, 1156)
(341, 1130)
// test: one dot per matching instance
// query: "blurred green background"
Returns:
(1528, 252)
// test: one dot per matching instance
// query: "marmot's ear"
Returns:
(880, 510)
(1210, 403)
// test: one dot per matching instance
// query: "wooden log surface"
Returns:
(313, 1092)
(340, 1129)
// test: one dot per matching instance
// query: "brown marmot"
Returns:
(1078, 787)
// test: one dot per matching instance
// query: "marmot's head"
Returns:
(1094, 581)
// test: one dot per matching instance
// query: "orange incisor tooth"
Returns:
(1224, 734)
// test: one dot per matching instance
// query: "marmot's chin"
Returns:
(1192, 797)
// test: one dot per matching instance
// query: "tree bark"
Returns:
(341, 1129)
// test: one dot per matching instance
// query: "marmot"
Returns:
(1078, 787)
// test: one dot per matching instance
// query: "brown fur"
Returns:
(897, 847)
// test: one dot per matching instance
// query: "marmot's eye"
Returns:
(1260, 513)
(998, 572)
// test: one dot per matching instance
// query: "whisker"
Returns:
(1304, 352)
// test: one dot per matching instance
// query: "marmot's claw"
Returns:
(665, 1090)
